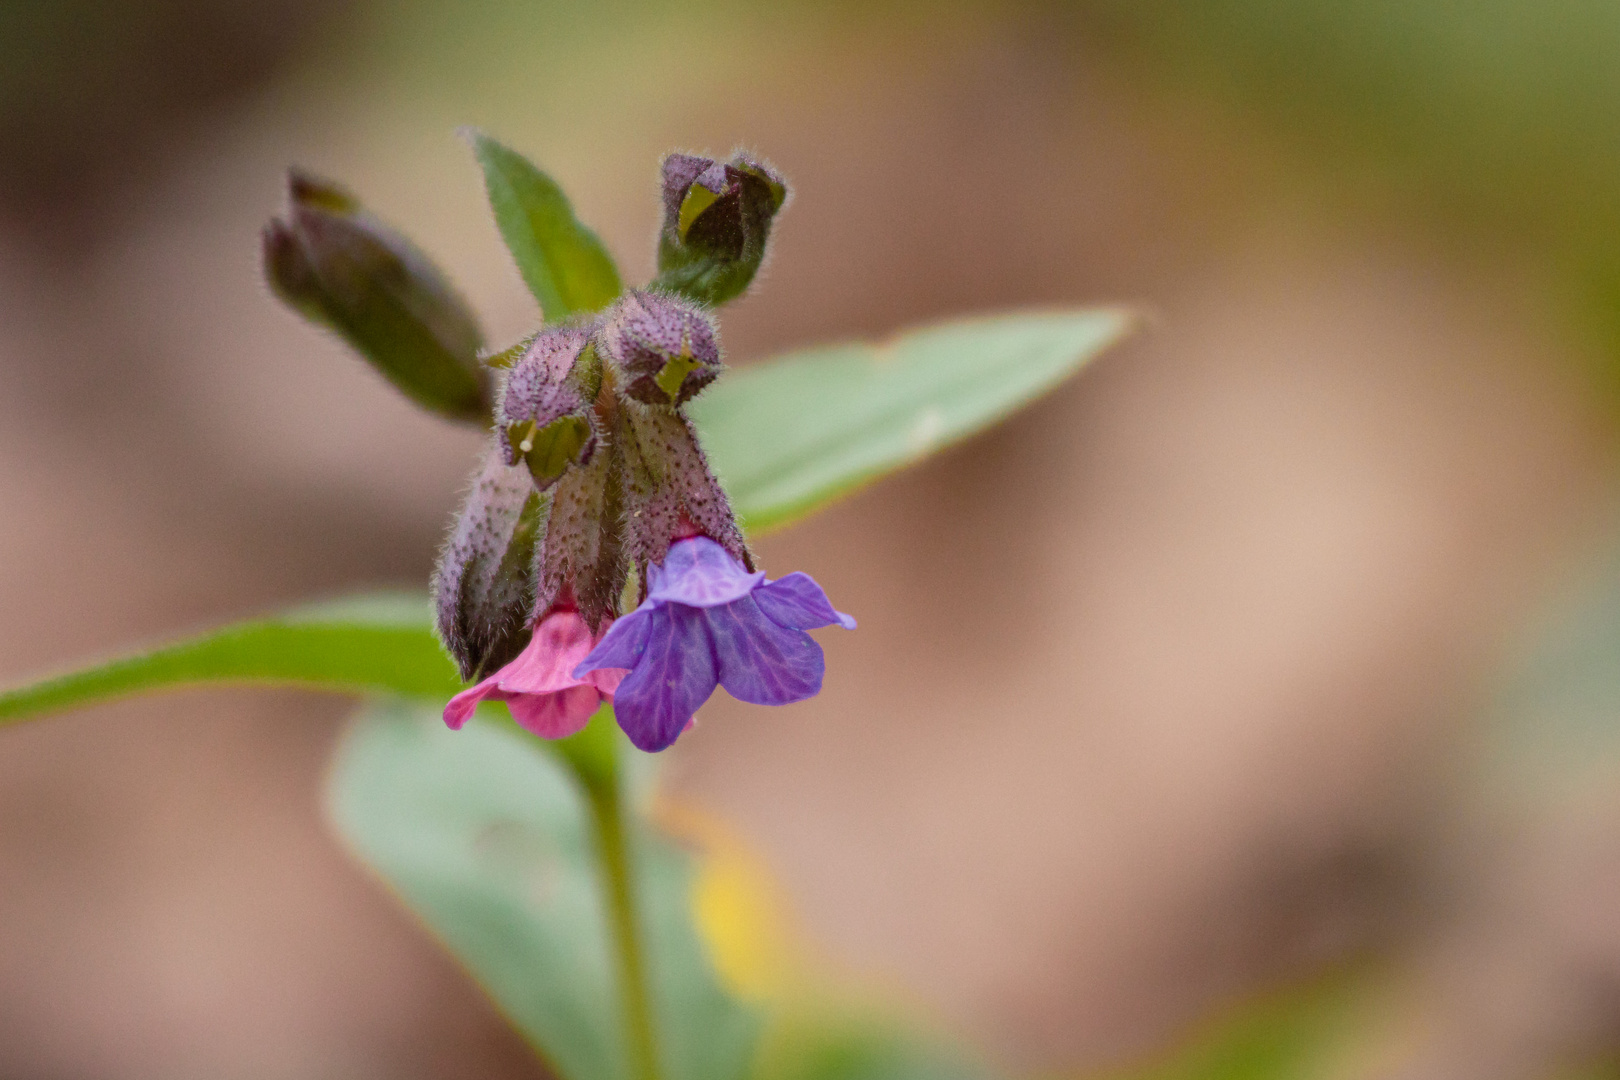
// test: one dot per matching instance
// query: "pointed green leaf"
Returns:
(369, 644)
(792, 435)
(565, 265)
(486, 838)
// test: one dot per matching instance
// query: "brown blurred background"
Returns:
(1164, 692)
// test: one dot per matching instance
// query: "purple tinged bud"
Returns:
(669, 490)
(545, 417)
(483, 588)
(663, 350)
(681, 171)
(717, 221)
(337, 265)
(579, 560)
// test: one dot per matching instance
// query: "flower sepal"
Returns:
(483, 587)
(545, 417)
(663, 349)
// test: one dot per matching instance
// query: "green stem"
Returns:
(607, 804)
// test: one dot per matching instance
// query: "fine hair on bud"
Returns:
(717, 222)
(483, 588)
(663, 349)
(545, 415)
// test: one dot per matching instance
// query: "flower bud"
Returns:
(668, 489)
(662, 349)
(337, 265)
(483, 588)
(545, 416)
(580, 556)
(717, 219)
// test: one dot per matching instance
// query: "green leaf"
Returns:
(486, 838)
(361, 645)
(792, 435)
(565, 265)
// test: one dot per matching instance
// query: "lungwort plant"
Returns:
(599, 579)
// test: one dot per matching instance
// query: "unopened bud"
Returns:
(669, 489)
(582, 552)
(484, 585)
(545, 415)
(663, 350)
(717, 220)
(339, 266)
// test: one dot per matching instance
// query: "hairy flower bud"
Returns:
(545, 416)
(337, 265)
(580, 557)
(717, 220)
(484, 587)
(668, 489)
(663, 349)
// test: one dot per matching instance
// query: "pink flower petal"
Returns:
(460, 708)
(547, 663)
(539, 686)
(556, 715)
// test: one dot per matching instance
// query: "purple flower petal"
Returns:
(798, 602)
(674, 675)
(622, 645)
(760, 661)
(709, 622)
(700, 573)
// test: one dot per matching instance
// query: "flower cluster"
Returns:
(595, 497)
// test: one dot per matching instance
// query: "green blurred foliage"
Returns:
(822, 1038)
(485, 837)
(1290, 1033)
(380, 643)
(1491, 124)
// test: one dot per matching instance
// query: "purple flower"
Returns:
(709, 622)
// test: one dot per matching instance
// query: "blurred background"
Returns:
(1287, 636)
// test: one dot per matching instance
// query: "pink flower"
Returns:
(539, 686)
